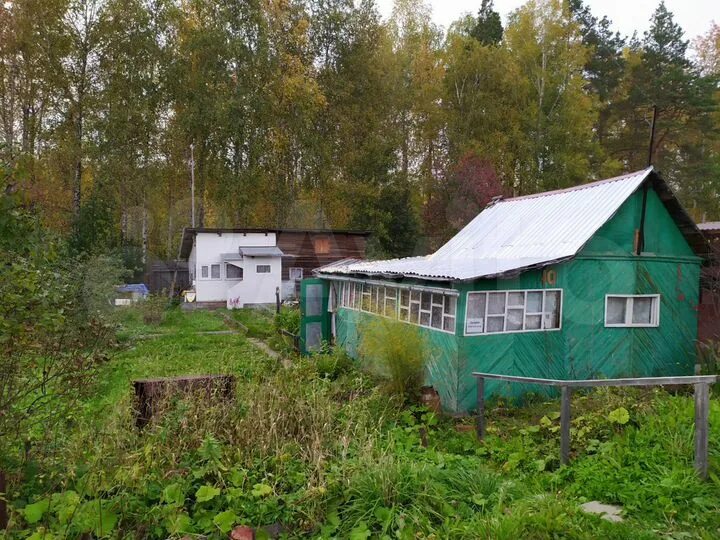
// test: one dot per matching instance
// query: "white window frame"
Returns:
(654, 313)
(377, 295)
(219, 271)
(205, 271)
(505, 315)
(268, 266)
(295, 270)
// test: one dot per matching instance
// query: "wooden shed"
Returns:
(600, 280)
(709, 311)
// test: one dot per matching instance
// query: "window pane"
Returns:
(437, 299)
(358, 295)
(233, 272)
(450, 305)
(495, 324)
(534, 302)
(425, 303)
(313, 336)
(415, 296)
(204, 271)
(313, 300)
(404, 312)
(476, 306)
(263, 268)
(516, 299)
(616, 308)
(215, 271)
(437, 315)
(514, 319)
(449, 324)
(404, 297)
(496, 303)
(366, 298)
(552, 309)
(390, 305)
(475, 313)
(424, 319)
(415, 313)
(533, 322)
(642, 310)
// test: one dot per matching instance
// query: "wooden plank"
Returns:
(566, 394)
(702, 407)
(481, 408)
(592, 383)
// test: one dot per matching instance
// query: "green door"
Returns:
(315, 318)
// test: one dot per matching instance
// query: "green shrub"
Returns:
(154, 309)
(397, 353)
(331, 363)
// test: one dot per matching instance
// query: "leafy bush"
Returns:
(397, 353)
(154, 309)
(331, 363)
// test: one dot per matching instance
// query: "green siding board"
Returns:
(583, 347)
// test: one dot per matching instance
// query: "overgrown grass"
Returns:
(318, 449)
(259, 322)
(176, 321)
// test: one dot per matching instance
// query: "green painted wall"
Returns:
(583, 347)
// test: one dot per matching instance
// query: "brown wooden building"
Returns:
(709, 309)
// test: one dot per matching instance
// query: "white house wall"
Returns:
(254, 288)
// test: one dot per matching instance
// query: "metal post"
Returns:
(565, 425)
(702, 395)
(192, 184)
(480, 407)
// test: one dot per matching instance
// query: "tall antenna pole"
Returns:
(640, 239)
(651, 150)
(192, 183)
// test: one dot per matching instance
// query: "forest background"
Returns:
(321, 114)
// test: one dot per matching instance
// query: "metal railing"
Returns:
(702, 405)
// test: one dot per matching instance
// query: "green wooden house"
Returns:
(595, 281)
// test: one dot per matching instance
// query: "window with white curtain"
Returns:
(498, 312)
(639, 310)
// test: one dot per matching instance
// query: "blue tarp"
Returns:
(138, 288)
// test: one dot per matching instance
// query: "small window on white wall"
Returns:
(233, 272)
(215, 271)
(204, 272)
(296, 274)
(632, 310)
(263, 269)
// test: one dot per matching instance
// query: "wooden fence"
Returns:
(702, 405)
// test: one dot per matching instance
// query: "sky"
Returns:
(695, 16)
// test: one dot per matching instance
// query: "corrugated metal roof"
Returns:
(709, 226)
(515, 234)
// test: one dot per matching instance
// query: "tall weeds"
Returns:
(397, 353)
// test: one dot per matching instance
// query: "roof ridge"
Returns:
(579, 187)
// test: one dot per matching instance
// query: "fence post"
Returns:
(480, 407)
(702, 395)
(566, 393)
